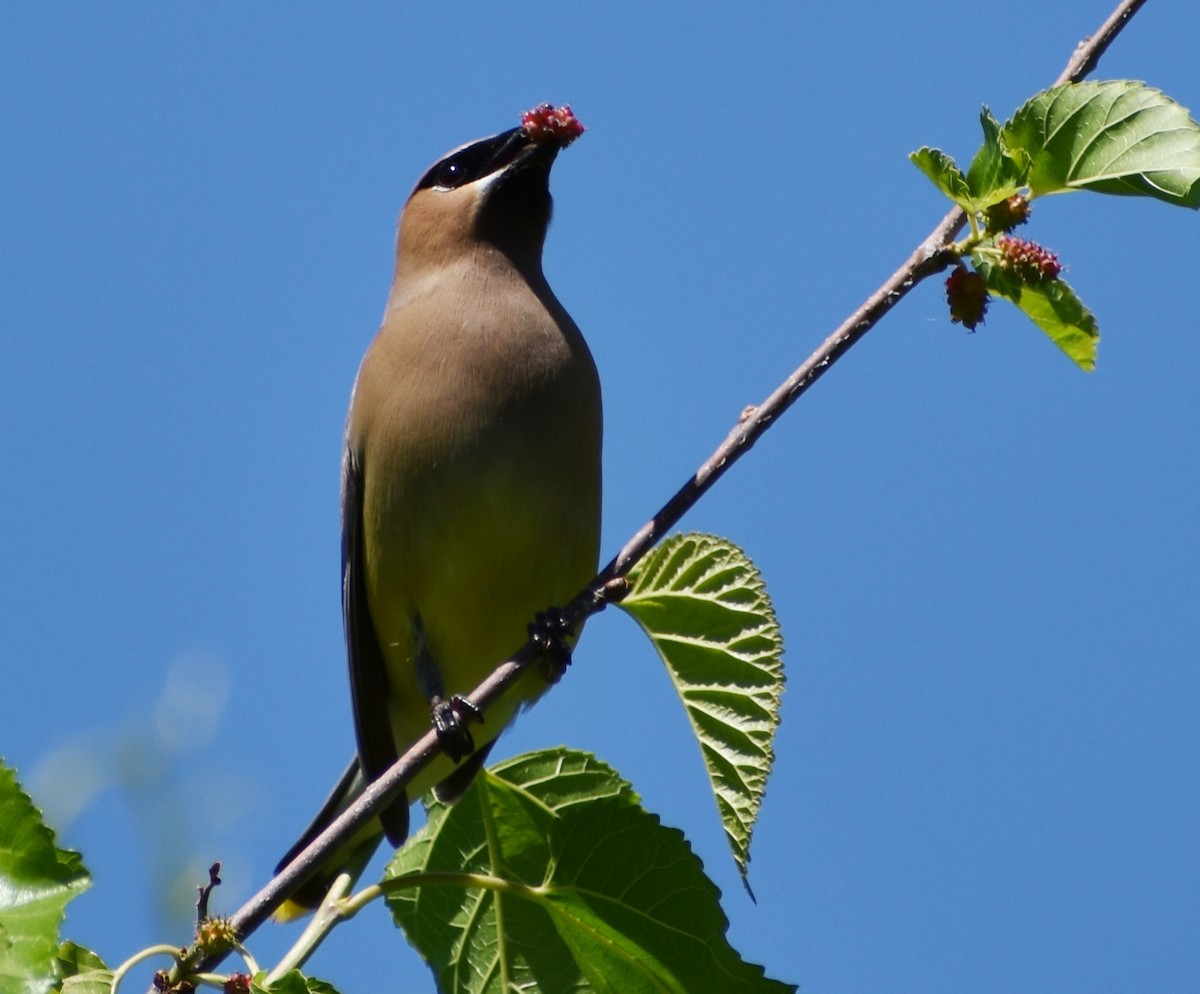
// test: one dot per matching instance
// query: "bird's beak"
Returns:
(513, 151)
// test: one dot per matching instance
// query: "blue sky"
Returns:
(984, 560)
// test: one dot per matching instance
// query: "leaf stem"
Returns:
(324, 919)
(141, 957)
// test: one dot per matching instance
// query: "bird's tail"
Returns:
(351, 857)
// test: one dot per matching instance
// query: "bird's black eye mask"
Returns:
(474, 161)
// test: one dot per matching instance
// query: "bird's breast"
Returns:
(478, 428)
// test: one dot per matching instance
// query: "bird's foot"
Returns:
(550, 633)
(450, 720)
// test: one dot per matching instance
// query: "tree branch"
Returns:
(1088, 52)
(926, 260)
(929, 258)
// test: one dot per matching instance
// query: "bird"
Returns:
(471, 475)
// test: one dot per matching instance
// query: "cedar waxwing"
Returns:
(470, 476)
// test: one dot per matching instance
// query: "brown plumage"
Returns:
(471, 476)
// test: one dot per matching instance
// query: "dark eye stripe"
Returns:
(472, 162)
(464, 166)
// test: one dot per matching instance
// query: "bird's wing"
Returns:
(368, 673)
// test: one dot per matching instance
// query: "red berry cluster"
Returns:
(238, 983)
(967, 295)
(1027, 261)
(545, 123)
(1007, 214)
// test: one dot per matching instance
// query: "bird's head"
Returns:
(494, 192)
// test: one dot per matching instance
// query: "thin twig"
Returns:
(1088, 52)
(930, 257)
(214, 880)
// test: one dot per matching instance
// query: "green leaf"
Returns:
(705, 607)
(88, 982)
(945, 174)
(82, 971)
(1054, 308)
(996, 173)
(292, 982)
(1118, 137)
(548, 875)
(73, 959)
(37, 879)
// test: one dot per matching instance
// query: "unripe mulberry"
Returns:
(1027, 261)
(216, 935)
(1007, 214)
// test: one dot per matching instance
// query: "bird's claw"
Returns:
(450, 720)
(549, 632)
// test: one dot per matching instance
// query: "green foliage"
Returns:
(705, 608)
(548, 875)
(1054, 308)
(88, 982)
(75, 959)
(82, 971)
(996, 172)
(945, 174)
(1119, 137)
(292, 982)
(999, 169)
(37, 879)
